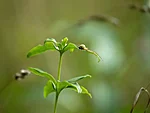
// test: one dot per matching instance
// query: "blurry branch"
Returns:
(93, 18)
(99, 18)
(138, 95)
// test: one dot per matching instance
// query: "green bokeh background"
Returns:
(125, 51)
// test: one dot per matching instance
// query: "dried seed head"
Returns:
(22, 74)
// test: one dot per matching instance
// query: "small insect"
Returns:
(20, 75)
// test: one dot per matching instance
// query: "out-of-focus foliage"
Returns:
(125, 50)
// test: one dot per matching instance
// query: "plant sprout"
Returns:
(56, 85)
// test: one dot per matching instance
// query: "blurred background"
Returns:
(123, 42)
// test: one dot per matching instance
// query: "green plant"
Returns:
(54, 85)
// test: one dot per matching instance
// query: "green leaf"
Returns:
(66, 84)
(49, 88)
(41, 73)
(51, 40)
(37, 50)
(76, 87)
(51, 43)
(60, 46)
(85, 91)
(62, 85)
(73, 80)
(64, 41)
(70, 47)
(80, 89)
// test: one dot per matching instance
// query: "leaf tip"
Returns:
(44, 96)
(90, 95)
(29, 68)
(90, 76)
(28, 55)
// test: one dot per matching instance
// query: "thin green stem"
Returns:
(59, 66)
(56, 100)
(59, 72)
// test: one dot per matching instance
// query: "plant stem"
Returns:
(59, 66)
(59, 72)
(56, 100)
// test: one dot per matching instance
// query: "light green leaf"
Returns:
(80, 89)
(74, 80)
(41, 73)
(37, 50)
(60, 46)
(85, 91)
(50, 40)
(62, 85)
(51, 44)
(70, 47)
(49, 88)
(66, 84)
(64, 41)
